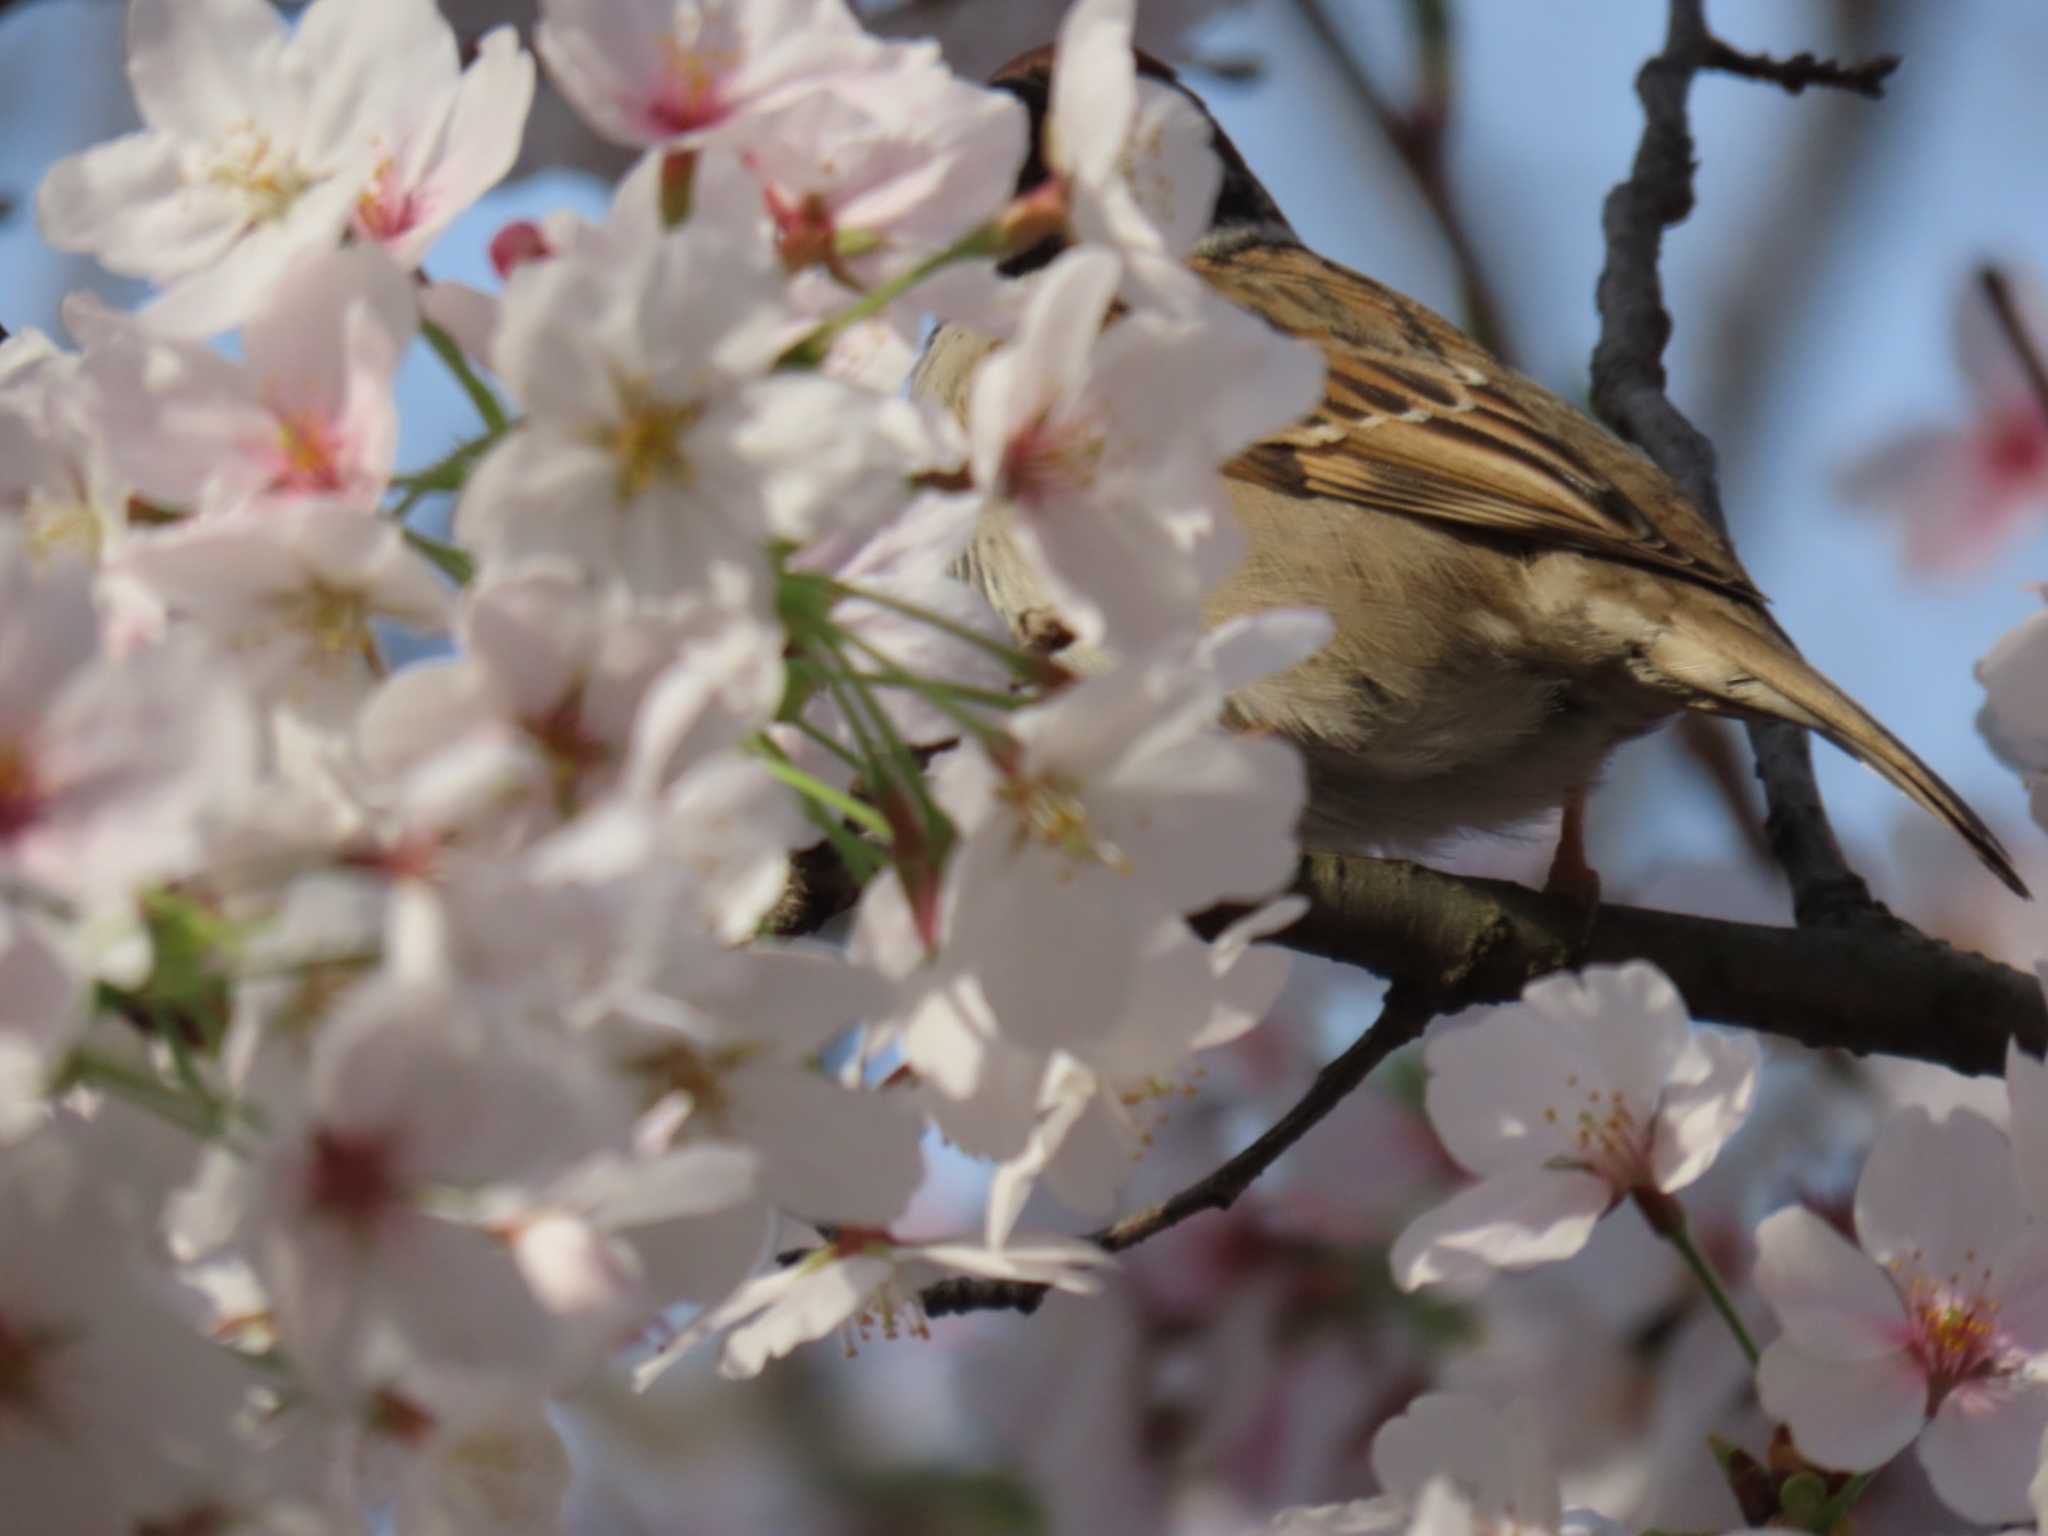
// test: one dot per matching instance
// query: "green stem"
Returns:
(480, 396)
(810, 352)
(145, 1090)
(1023, 663)
(812, 788)
(933, 692)
(819, 738)
(1836, 1508)
(1678, 1236)
(455, 562)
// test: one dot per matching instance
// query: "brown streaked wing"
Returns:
(1418, 419)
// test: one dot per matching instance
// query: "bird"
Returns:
(1515, 590)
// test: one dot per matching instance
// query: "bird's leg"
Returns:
(1571, 877)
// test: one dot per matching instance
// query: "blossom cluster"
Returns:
(387, 1049)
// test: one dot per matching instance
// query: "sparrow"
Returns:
(1515, 590)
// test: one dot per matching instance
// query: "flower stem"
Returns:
(1836, 1508)
(1025, 664)
(1667, 1219)
(813, 788)
(453, 561)
(480, 396)
(988, 240)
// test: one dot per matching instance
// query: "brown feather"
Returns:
(1419, 420)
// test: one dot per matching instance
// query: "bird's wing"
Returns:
(1418, 419)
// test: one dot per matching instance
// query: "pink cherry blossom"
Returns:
(645, 72)
(872, 171)
(1963, 491)
(1936, 1331)
(308, 415)
(1593, 1086)
(109, 771)
(375, 1212)
(447, 146)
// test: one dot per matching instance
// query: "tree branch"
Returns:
(1628, 392)
(1797, 73)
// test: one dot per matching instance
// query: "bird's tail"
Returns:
(1737, 662)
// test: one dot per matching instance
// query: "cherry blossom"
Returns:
(372, 1216)
(872, 171)
(655, 451)
(553, 669)
(446, 146)
(645, 72)
(1593, 1087)
(1453, 1466)
(115, 1413)
(2014, 718)
(42, 1015)
(58, 475)
(1104, 448)
(308, 415)
(263, 143)
(1963, 491)
(1935, 1331)
(291, 595)
(863, 1282)
(109, 771)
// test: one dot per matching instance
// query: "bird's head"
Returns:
(1245, 212)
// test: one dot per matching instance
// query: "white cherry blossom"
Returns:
(290, 595)
(1936, 1331)
(553, 668)
(264, 142)
(1104, 446)
(42, 1015)
(1594, 1086)
(1132, 156)
(58, 473)
(864, 1282)
(657, 449)
(1451, 1465)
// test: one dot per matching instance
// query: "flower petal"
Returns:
(1512, 1220)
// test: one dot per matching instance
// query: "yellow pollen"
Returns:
(335, 618)
(1050, 811)
(269, 182)
(647, 440)
(67, 526)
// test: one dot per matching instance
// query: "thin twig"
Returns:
(1401, 1020)
(1797, 73)
(2026, 347)
(1417, 137)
